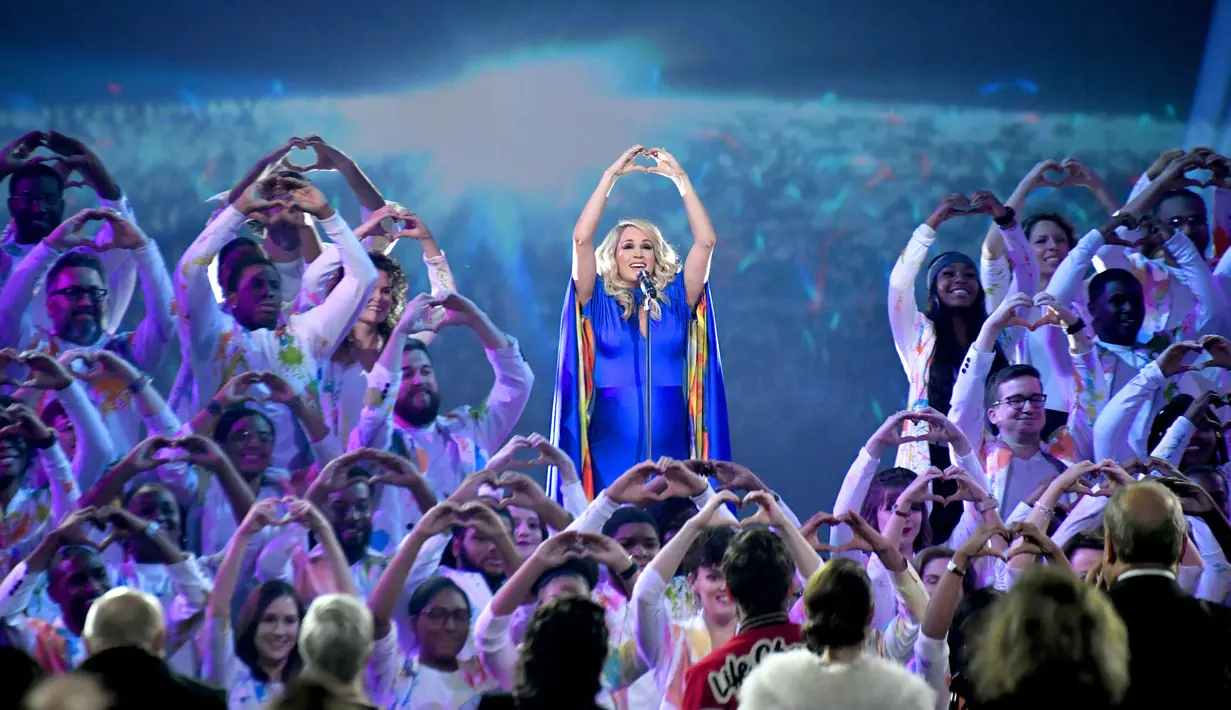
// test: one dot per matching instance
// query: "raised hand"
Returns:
(397, 471)
(868, 539)
(1055, 312)
(411, 226)
(941, 430)
(100, 364)
(459, 310)
(768, 513)
(440, 518)
(306, 197)
(1194, 499)
(1219, 350)
(811, 530)
(968, 489)
(681, 481)
(604, 550)
(624, 164)
(68, 235)
(560, 548)
(1036, 542)
(666, 165)
(328, 158)
(482, 518)
(918, 491)
(237, 390)
(1080, 174)
(261, 515)
(707, 516)
(890, 436)
(469, 490)
(735, 477)
(505, 459)
(1006, 315)
(201, 451)
(986, 202)
(27, 425)
(977, 544)
(124, 234)
(632, 487)
(1109, 229)
(46, 373)
(952, 205)
(1037, 177)
(258, 197)
(144, 457)
(1171, 362)
(18, 151)
(522, 491)
(280, 390)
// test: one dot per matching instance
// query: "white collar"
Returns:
(1143, 572)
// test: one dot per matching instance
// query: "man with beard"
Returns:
(246, 336)
(76, 297)
(36, 204)
(68, 561)
(446, 448)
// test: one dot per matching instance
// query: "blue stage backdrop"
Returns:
(817, 139)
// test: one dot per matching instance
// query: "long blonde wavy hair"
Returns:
(666, 266)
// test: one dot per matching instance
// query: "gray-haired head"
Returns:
(336, 637)
(125, 617)
(1145, 526)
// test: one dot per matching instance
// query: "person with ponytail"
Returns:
(834, 663)
(932, 343)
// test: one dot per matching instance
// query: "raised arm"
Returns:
(323, 328)
(584, 267)
(994, 247)
(1211, 304)
(199, 312)
(330, 158)
(15, 298)
(154, 335)
(903, 309)
(697, 263)
(383, 600)
(506, 401)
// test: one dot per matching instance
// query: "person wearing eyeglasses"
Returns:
(1006, 433)
(36, 205)
(75, 280)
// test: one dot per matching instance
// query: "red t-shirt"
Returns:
(712, 682)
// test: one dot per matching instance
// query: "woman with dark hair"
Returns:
(1009, 266)
(344, 379)
(440, 620)
(932, 342)
(255, 661)
(561, 659)
(835, 664)
(246, 435)
(875, 495)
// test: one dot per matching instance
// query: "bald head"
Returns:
(74, 691)
(125, 617)
(1145, 525)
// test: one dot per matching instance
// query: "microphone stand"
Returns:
(649, 293)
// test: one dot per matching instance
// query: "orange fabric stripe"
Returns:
(585, 391)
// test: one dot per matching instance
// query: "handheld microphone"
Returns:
(647, 286)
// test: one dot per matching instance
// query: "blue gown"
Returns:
(599, 413)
